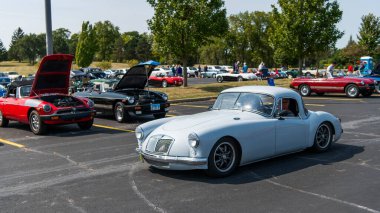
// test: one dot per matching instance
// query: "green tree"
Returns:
(15, 51)
(3, 52)
(73, 43)
(305, 28)
(86, 48)
(369, 33)
(180, 27)
(131, 40)
(106, 35)
(31, 47)
(61, 40)
(216, 52)
(251, 34)
(118, 51)
(144, 48)
(352, 51)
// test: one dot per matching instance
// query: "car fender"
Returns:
(317, 118)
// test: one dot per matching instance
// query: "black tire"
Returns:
(323, 137)
(86, 125)
(305, 90)
(159, 115)
(352, 91)
(36, 125)
(3, 121)
(164, 84)
(219, 79)
(214, 75)
(320, 93)
(223, 158)
(202, 76)
(240, 79)
(120, 114)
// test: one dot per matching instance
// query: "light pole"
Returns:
(49, 37)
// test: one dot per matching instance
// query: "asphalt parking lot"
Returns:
(97, 170)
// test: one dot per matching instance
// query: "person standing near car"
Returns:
(236, 67)
(197, 72)
(330, 68)
(245, 68)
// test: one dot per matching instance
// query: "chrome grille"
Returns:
(159, 144)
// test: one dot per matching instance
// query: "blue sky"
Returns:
(131, 15)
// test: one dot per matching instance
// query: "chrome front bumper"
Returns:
(173, 159)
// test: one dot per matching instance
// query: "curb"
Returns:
(191, 99)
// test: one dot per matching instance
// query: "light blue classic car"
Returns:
(218, 141)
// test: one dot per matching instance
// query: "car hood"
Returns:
(53, 75)
(137, 76)
(207, 119)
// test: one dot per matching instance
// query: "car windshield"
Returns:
(25, 91)
(245, 101)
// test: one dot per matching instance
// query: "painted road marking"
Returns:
(186, 105)
(12, 143)
(113, 128)
(321, 105)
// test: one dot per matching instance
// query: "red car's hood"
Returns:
(53, 75)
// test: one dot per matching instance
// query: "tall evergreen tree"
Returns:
(3, 52)
(86, 48)
(15, 51)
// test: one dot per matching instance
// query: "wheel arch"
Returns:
(348, 84)
(228, 137)
(30, 111)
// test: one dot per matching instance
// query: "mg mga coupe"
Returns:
(245, 125)
(45, 101)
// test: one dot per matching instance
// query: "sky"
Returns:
(132, 15)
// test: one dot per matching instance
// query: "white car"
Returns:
(191, 71)
(245, 125)
(313, 72)
(235, 77)
(162, 70)
(13, 75)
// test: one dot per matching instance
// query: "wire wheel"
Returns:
(305, 90)
(352, 91)
(164, 84)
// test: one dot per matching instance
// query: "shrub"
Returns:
(104, 65)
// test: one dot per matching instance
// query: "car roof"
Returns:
(270, 90)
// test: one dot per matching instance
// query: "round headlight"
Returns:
(90, 103)
(46, 108)
(139, 133)
(130, 99)
(362, 83)
(193, 140)
(165, 97)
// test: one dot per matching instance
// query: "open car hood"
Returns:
(53, 75)
(137, 76)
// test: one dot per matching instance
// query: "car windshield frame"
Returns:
(239, 97)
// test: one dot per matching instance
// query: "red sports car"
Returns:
(351, 86)
(45, 101)
(161, 79)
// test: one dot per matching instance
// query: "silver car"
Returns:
(245, 125)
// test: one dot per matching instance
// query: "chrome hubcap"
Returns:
(1, 117)
(35, 122)
(164, 84)
(224, 156)
(323, 136)
(352, 91)
(119, 112)
(304, 90)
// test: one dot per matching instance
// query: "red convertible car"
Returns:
(45, 101)
(161, 79)
(351, 86)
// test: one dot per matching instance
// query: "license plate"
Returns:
(155, 107)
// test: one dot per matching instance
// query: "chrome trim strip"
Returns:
(173, 159)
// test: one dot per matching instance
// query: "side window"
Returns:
(11, 92)
(288, 107)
